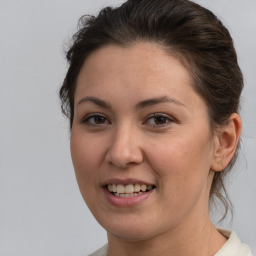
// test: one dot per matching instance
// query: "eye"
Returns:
(158, 120)
(95, 120)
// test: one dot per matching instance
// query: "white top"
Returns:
(233, 247)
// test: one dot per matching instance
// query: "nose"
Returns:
(125, 149)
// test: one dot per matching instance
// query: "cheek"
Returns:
(86, 159)
(86, 150)
(182, 165)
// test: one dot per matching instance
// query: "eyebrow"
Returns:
(158, 100)
(96, 101)
(141, 104)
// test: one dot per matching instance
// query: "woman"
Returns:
(152, 93)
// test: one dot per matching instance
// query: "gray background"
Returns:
(41, 210)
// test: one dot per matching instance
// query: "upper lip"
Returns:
(125, 181)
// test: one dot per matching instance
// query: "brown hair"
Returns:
(185, 29)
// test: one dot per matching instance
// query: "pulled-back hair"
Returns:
(185, 30)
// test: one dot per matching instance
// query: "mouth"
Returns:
(129, 190)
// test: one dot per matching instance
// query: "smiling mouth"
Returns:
(129, 190)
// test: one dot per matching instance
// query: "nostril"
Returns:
(124, 150)
(125, 160)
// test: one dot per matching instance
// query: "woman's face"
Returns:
(139, 124)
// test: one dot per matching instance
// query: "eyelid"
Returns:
(88, 116)
(168, 117)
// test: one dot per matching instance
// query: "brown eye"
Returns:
(158, 120)
(96, 120)
(99, 119)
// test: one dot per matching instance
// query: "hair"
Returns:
(186, 30)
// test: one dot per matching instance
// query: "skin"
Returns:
(175, 154)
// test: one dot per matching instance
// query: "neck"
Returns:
(181, 241)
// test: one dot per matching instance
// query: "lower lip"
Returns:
(126, 201)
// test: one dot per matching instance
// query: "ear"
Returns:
(225, 142)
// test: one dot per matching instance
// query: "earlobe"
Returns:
(226, 142)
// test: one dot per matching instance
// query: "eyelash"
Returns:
(86, 120)
(167, 119)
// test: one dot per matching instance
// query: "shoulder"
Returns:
(101, 252)
(233, 246)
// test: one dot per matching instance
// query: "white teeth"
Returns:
(143, 188)
(110, 187)
(120, 188)
(127, 195)
(137, 188)
(128, 190)
(113, 188)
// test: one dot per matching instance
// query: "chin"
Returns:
(130, 234)
(130, 230)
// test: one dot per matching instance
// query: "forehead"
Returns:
(128, 75)
(140, 64)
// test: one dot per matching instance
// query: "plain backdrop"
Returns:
(41, 210)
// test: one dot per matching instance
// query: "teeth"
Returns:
(110, 187)
(136, 188)
(128, 190)
(143, 188)
(120, 188)
(113, 188)
(126, 195)
(149, 187)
